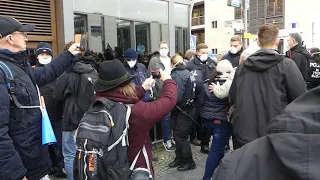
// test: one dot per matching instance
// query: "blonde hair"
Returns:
(177, 60)
(129, 90)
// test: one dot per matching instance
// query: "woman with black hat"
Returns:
(114, 84)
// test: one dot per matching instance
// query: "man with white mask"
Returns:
(201, 67)
(235, 52)
(44, 53)
(163, 62)
(137, 69)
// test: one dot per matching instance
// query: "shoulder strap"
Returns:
(145, 154)
(124, 137)
(9, 77)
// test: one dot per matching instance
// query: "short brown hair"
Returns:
(236, 38)
(202, 46)
(268, 34)
(190, 53)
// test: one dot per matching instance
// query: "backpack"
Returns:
(101, 142)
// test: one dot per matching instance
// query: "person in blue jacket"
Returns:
(22, 155)
(137, 69)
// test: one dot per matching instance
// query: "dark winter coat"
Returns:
(313, 79)
(300, 56)
(185, 83)
(201, 72)
(262, 87)
(213, 107)
(141, 73)
(21, 149)
(289, 151)
(75, 97)
(144, 116)
(233, 58)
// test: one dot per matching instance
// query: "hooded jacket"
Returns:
(21, 150)
(143, 117)
(289, 151)
(301, 57)
(262, 87)
(233, 58)
(75, 93)
(313, 79)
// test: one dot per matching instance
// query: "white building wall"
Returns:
(218, 38)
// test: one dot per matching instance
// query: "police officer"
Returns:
(183, 114)
(202, 68)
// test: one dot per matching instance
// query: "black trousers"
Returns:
(182, 126)
(202, 133)
(55, 150)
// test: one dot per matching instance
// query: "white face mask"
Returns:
(203, 57)
(45, 61)
(164, 52)
(234, 50)
(132, 63)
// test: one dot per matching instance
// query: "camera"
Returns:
(155, 74)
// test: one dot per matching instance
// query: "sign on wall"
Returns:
(234, 3)
(193, 42)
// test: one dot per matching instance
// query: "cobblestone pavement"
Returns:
(163, 172)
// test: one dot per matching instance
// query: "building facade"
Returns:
(208, 24)
(128, 23)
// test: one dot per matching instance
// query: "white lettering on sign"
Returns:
(314, 65)
(315, 74)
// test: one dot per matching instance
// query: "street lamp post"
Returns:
(245, 17)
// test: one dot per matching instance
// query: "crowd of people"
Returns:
(255, 96)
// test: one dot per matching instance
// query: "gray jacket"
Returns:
(155, 64)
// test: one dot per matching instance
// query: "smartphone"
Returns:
(155, 74)
(82, 39)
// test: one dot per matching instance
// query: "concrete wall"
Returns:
(218, 38)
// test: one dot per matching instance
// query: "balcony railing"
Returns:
(196, 21)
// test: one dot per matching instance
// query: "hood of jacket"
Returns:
(117, 95)
(263, 59)
(81, 68)
(295, 136)
(179, 68)
(301, 50)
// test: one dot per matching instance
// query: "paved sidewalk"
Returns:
(163, 172)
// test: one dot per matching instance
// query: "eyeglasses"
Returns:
(21, 33)
(131, 59)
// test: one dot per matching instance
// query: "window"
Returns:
(80, 23)
(214, 51)
(214, 24)
(198, 15)
(274, 8)
(143, 35)
(200, 36)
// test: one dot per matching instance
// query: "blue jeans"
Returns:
(221, 132)
(166, 128)
(69, 152)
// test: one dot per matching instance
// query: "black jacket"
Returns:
(21, 149)
(262, 87)
(201, 71)
(186, 84)
(213, 107)
(313, 79)
(290, 151)
(300, 56)
(233, 58)
(74, 91)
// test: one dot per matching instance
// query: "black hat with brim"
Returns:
(9, 25)
(112, 74)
